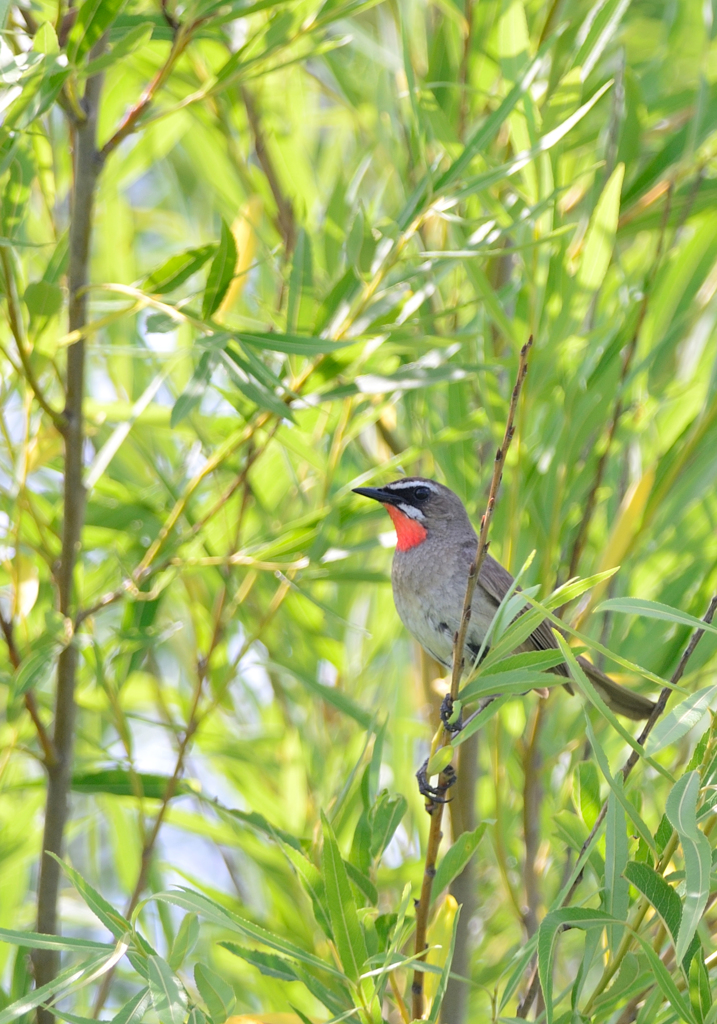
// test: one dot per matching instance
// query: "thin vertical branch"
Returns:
(87, 166)
(464, 887)
(46, 743)
(435, 807)
(285, 220)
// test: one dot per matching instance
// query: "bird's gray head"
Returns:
(417, 507)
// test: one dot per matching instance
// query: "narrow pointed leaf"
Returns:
(456, 858)
(654, 610)
(348, 936)
(168, 996)
(683, 717)
(681, 809)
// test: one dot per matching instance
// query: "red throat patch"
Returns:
(409, 533)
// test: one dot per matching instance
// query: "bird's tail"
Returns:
(618, 698)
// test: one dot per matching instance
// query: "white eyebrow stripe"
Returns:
(400, 485)
(411, 512)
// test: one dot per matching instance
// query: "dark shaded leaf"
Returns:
(456, 858)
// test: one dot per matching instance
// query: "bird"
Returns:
(435, 546)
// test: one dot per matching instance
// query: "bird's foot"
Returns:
(452, 722)
(435, 794)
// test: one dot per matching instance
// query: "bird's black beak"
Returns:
(378, 494)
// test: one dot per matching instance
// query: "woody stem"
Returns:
(435, 807)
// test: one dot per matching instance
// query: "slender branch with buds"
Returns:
(435, 807)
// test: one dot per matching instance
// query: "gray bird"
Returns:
(434, 550)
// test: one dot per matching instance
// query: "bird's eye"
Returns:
(421, 493)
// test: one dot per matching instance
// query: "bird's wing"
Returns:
(496, 580)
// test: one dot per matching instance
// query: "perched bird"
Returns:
(435, 547)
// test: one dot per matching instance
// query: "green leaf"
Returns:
(268, 963)
(683, 717)
(616, 851)
(409, 378)
(552, 923)
(178, 269)
(586, 792)
(654, 610)
(194, 391)
(41, 995)
(213, 911)
(184, 942)
(37, 666)
(589, 691)
(43, 300)
(133, 1012)
(456, 858)
(665, 981)
(663, 898)
(196, 1016)
(291, 344)
(362, 882)
(259, 823)
(331, 694)
(216, 993)
(312, 883)
(600, 237)
(300, 305)
(221, 273)
(104, 911)
(526, 623)
(16, 191)
(385, 816)
(120, 782)
(617, 788)
(350, 942)
(681, 809)
(700, 990)
(93, 19)
(168, 996)
(516, 681)
(134, 39)
(479, 720)
(37, 940)
(440, 760)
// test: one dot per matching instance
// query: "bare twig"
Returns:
(464, 887)
(284, 210)
(17, 326)
(86, 170)
(130, 122)
(435, 808)
(48, 748)
(632, 760)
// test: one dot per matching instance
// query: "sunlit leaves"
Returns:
(349, 938)
(449, 194)
(93, 18)
(178, 269)
(681, 810)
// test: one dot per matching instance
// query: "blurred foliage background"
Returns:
(320, 236)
